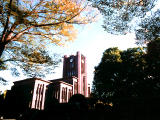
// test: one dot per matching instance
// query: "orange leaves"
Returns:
(61, 10)
(69, 6)
(47, 21)
(35, 24)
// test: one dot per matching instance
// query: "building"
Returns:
(76, 66)
(29, 93)
(34, 92)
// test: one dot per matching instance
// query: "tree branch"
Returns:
(10, 33)
(39, 33)
(63, 21)
(7, 22)
(19, 34)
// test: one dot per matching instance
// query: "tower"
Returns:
(76, 66)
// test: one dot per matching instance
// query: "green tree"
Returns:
(133, 72)
(149, 29)
(106, 73)
(118, 14)
(153, 60)
(33, 62)
(122, 74)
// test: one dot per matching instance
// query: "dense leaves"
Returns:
(153, 59)
(106, 72)
(118, 14)
(149, 29)
(128, 73)
(34, 62)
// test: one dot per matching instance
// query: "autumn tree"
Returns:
(28, 27)
(40, 22)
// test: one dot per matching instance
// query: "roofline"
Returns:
(32, 79)
(64, 78)
(62, 82)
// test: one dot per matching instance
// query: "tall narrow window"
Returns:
(84, 85)
(89, 91)
(41, 100)
(75, 88)
(37, 95)
(82, 65)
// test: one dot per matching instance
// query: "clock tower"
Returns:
(76, 66)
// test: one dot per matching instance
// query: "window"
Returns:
(84, 89)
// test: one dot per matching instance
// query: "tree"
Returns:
(34, 62)
(39, 23)
(28, 27)
(153, 49)
(133, 73)
(149, 29)
(125, 74)
(153, 60)
(119, 14)
(106, 73)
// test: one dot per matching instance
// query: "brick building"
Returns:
(32, 93)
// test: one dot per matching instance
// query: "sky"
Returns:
(91, 41)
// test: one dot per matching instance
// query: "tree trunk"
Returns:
(2, 47)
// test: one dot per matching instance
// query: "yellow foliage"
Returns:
(39, 22)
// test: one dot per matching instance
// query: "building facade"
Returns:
(38, 91)
(74, 79)
(75, 65)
